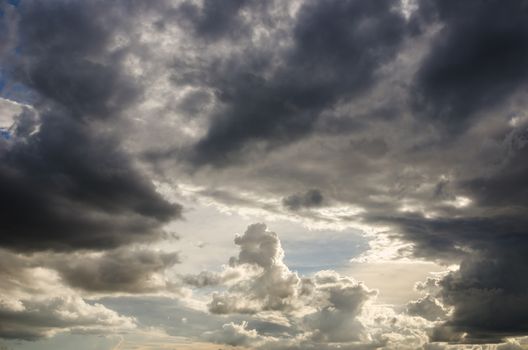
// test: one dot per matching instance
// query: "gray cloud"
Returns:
(69, 183)
(35, 304)
(488, 238)
(337, 48)
(427, 307)
(417, 126)
(272, 285)
(476, 62)
(312, 198)
(454, 199)
(34, 319)
(122, 270)
(336, 319)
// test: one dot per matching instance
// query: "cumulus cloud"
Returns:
(342, 299)
(271, 285)
(427, 307)
(285, 311)
(211, 21)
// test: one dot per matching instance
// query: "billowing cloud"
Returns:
(427, 307)
(235, 335)
(69, 182)
(337, 48)
(271, 285)
(328, 310)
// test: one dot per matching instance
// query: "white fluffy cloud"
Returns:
(267, 284)
(283, 310)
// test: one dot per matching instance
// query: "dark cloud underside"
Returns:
(337, 47)
(477, 60)
(65, 184)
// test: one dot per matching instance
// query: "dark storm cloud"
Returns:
(375, 148)
(477, 59)
(254, 76)
(64, 46)
(309, 199)
(64, 183)
(475, 65)
(34, 303)
(35, 319)
(337, 48)
(507, 186)
(452, 238)
(64, 187)
(489, 238)
(489, 292)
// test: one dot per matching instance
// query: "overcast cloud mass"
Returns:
(264, 174)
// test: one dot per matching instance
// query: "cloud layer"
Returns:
(403, 121)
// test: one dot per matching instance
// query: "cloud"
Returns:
(34, 303)
(122, 270)
(408, 126)
(427, 307)
(335, 320)
(312, 198)
(211, 279)
(474, 65)
(33, 319)
(271, 285)
(235, 335)
(336, 48)
(487, 238)
(487, 291)
(70, 183)
(429, 151)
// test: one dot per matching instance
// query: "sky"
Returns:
(263, 174)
